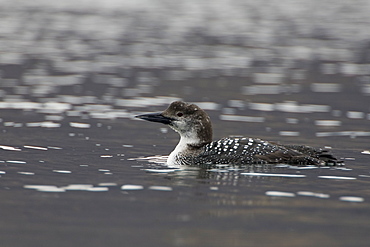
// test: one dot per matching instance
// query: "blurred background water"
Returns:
(74, 73)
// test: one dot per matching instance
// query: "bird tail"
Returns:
(322, 155)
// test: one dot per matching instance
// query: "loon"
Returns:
(197, 148)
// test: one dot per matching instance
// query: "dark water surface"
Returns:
(76, 169)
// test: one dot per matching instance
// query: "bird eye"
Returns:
(180, 114)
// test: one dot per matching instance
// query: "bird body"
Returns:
(197, 148)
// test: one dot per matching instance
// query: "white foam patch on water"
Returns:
(78, 187)
(328, 123)
(54, 118)
(352, 134)
(9, 148)
(127, 146)
(349, 158)
(62, 171)
(146, 101)
(71, 187)
(26, 173)
(35, 147)
(355, 114)
(313, 194)
(273, 175)
(16, 161)
(242, 118)
(44, 188)
(57, 148)
(364, 176)
(20, 105)
(13, 124)
(109, 115)
(326, 87)
(132, 187)
(160, 188)
(98, 189)
(50, 189)
(343, 169)
(103, 170)
(279, 194)
(54, 107)
(107, 184)
(144, 158)
(337, 177)
(351, 199)
(9, 124)
(46, 124)
(292, 106)
(158, 159)
(289, 133)
(80, 125)
(261, 106)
